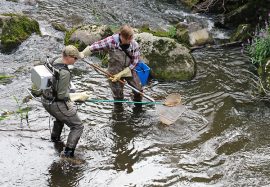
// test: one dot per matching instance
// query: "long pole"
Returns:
(121, 81)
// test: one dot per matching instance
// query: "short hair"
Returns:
(126, 31)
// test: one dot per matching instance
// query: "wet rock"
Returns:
(168, 59)
(182, 36)
(173, 19)
(86, 35)
(181, 25)
(193, 27)
(200, 37)
(59, 27)
(16, 29)
(242, 33)
(190, 3)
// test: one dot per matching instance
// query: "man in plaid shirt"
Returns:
(124, 55)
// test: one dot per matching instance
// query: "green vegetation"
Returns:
(68, 36)
(4, 115)
(22, 111)
(191, 3)
(59, 27)
(114, 28)
(259, 50)
(171, 33)
(5, 77)
(16, 30)
(242, 33)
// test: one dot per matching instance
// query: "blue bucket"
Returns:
(143, 72)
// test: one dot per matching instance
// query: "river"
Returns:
(221, 140)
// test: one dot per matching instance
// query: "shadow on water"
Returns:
(65, 173)
(124, 131)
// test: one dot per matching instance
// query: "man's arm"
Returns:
(100, 45)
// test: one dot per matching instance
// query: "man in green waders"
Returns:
(57, 101)
(124, 55)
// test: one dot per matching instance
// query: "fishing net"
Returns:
(171, 109)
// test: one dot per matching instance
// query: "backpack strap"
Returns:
(56, 75)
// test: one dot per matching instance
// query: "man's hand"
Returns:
(79, 96)
(86, 52)
(124, 73)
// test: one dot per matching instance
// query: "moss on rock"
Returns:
(182, 36)
(242, 33)
(16, 30)
(67, 40)
(4, 79)
(191, 3)
(171, 33)
(168, 59)
(59, 27)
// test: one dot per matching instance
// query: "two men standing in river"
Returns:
(124, 55)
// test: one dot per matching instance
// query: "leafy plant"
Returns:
(172, 32)
(22, 112)
(260, 50)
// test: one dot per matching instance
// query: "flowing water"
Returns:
(221, 140)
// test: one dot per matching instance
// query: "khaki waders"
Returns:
(118, 60)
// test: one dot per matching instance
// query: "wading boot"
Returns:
(56, 131)
(137, 98)
(69, 152)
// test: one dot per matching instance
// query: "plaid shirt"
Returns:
(113, 42)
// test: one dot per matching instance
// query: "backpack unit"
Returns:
(45, 78)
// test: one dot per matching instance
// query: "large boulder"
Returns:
(87, 35)
(168, 59)
(15, 29)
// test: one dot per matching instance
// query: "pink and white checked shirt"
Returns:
(113, 42)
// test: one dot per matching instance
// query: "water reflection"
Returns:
(65, 173)
(125, 152)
